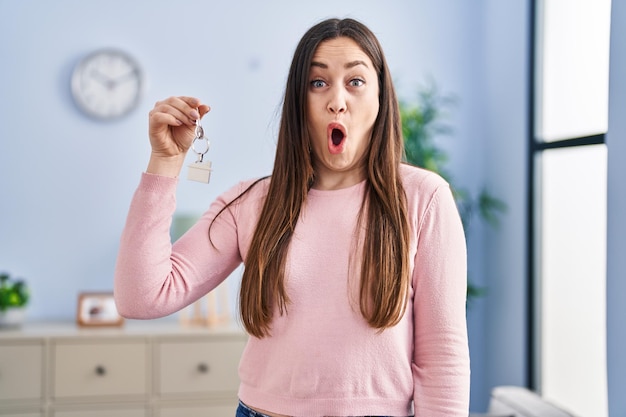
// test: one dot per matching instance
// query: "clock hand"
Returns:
(124, 77)
(103, 79)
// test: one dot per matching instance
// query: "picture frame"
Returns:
(97, 309)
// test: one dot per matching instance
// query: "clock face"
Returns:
(107, 84)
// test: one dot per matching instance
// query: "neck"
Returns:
(337, 180)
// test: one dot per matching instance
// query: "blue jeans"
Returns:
(245, 411)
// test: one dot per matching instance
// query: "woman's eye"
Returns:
(356, 82)
(317, 83)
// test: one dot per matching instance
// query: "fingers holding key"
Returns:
(176, 111)
(172, 129)
(172, 124)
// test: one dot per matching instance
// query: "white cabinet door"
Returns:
(201, 366)
(21, 372)
(105, 368)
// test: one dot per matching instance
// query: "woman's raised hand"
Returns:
(172, 130)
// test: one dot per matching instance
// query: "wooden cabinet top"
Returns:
(131, 328)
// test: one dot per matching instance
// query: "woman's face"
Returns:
(342, 108)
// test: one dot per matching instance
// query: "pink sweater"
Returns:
(322, 358)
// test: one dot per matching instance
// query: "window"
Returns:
(569, 119)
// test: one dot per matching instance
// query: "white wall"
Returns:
(66, 180)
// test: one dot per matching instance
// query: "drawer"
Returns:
(103, 369)
(21, 414)
(102, 412)
(212, 410)
(208, 366)
(21, 372)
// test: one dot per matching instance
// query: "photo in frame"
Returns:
(97, 309)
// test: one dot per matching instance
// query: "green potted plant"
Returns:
(14, 296)
(422, 123)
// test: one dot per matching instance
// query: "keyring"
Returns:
(196, 140)
(200, 137)
(201, 169)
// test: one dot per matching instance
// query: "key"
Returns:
(199, 170)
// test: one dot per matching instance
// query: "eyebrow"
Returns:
(347, 65)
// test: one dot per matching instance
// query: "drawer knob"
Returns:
(101, 370)
(203, 368)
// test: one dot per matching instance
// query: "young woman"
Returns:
(353, 291)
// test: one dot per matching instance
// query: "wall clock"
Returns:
(107, 84)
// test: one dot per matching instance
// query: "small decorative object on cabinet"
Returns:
(211, 310)
(144, 369)
(14, 297)
(97, 309)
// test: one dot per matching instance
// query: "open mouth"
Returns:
(336, 137)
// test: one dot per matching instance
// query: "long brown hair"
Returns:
(385, 254)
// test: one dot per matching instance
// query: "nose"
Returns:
(337, 101)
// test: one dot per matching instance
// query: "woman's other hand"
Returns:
(172, 127)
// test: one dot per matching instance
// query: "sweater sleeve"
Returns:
(154, 278)
(441, 355)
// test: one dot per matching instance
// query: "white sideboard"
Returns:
(143, 369)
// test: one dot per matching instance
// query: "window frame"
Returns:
(536, 146)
